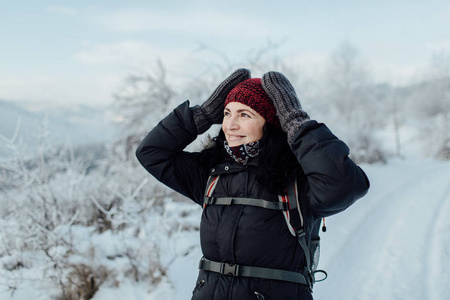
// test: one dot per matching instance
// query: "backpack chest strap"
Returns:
(282, 206)
(286, 202)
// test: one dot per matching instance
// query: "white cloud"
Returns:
(62, 10)
(113, 53)
(194, 22)
(129, 54)
(89, 88)
(382, 70)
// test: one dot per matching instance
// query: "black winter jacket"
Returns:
(249, 235)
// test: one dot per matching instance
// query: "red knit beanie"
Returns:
(250, 92)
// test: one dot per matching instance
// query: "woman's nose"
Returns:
(233, 123)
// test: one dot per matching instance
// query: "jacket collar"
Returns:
(230, 166)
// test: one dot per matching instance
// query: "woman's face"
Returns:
(241, 124)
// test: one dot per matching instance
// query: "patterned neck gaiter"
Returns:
(242, 153)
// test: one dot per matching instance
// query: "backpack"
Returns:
(289, 205)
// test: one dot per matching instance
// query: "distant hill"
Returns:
(79, 125)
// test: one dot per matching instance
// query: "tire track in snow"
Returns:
(404, 264)
(358, 215)
(371, 262)
(393, 269)
(353, 230)
(438, 275)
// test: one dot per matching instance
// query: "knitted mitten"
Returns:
(289, 110)
(211, 112)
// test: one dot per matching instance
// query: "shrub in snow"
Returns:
(74, 229)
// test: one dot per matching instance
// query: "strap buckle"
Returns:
(285, 206)
(230, 269)
(209, 201)
(310, 278)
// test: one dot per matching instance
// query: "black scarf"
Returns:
(242, 153)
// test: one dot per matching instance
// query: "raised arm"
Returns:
(162, 150)
(335, 181)
(161, 153)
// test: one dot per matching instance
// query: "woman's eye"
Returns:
(226, 114)
(244, 115)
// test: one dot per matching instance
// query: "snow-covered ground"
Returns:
(393, 244)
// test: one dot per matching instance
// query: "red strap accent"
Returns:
(208, 194)
(210, 189)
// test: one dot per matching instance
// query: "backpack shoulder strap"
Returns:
(210, 186)
(293, 216)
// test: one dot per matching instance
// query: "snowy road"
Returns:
(394, 243)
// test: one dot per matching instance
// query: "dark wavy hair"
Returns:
(277, 164)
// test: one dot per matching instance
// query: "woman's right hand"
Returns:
(211, 111)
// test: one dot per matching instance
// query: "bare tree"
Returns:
(430, 107)
(44, 198)
(258, 61)
(140, 103)
(352, 105)
(440, 104)
(398, 118)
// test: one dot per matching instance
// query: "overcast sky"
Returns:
(80, 51)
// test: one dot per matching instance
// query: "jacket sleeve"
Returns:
(161, 154)
(335, 181)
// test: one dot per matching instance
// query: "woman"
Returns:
(266, 140)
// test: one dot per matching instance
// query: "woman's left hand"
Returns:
(282, 93)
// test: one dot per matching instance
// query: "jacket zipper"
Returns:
(198, 286)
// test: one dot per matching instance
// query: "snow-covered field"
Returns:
(393, 244)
